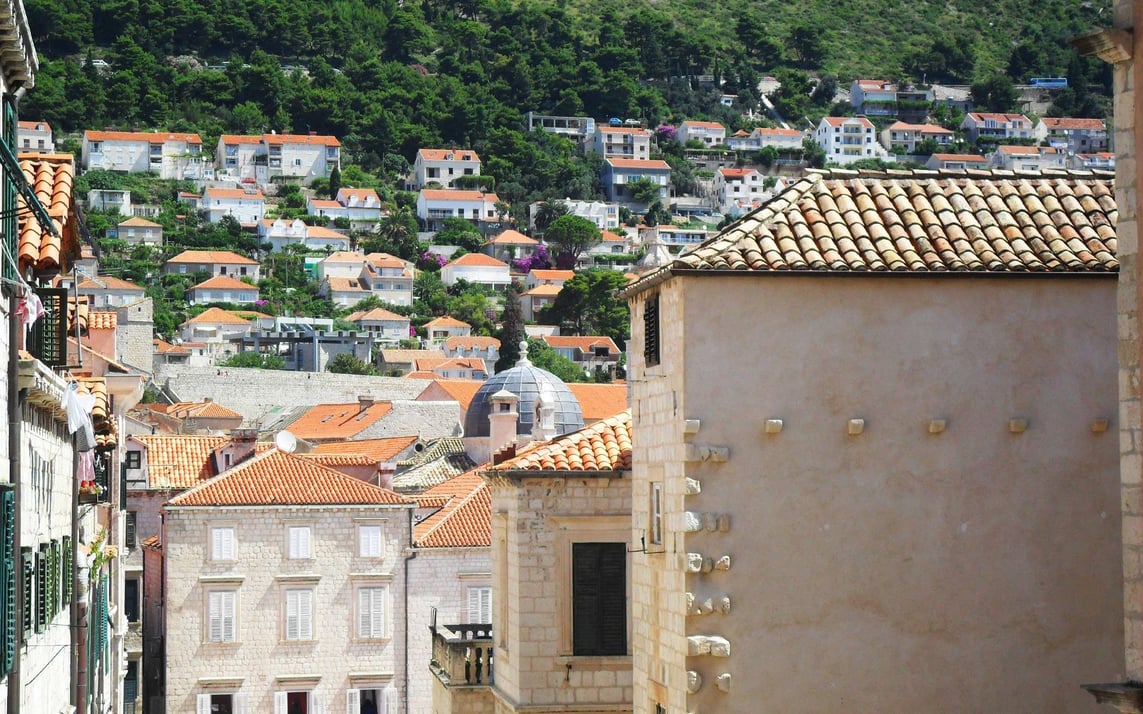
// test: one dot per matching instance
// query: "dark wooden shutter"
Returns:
(130, 520)
(599, 599)
(48, 337)
(42, 587)
(8, 579)
(28, 577)
(651, 331)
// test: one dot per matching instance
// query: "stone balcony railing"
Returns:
(462, 655)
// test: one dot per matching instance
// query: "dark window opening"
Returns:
(651, 331)
(599, 599)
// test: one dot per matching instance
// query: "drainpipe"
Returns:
(405, 637)
(14, 689)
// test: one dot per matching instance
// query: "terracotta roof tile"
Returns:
(377, 314)
(150, 137)
(224, 282)
(468, 343)
(326, 422)
(542, 274)
(190, 410)
(276, 478)
(546, 290)
(163, 348)
(1073, 124)
(462, 390)
(176, 462)
(446, 321)
(217, 315)
(421, 374)
(976, 158)
(604, 446)
(586, 343)
(340, 459)
(100, 320)
(920, 224)
(108, 282)
(479, 259)
(234, 193)
(239, 139)
(703, 124)
(138, 222)
(401, 356)
(278, 139)
(51, 177)
(599, 401)
(646, 164)
(379, 450)
(433, 194)
(465, 521)
(343, 285)
(212, 256)
(447, 154)
(511, 237)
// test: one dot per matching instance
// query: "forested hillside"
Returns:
(389, 77)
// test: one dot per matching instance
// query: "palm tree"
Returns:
(547, 212)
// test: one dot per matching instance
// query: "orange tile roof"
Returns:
(542, 274)
(1037, 150)
(340, 459)
(189, 410)
(421, 374)
(361, 194)
(471, 363)
(981, 116)
(478, 259)
(647, 164)
(599, 401)
(737, 173)
(446, 321)
(138, 222)
(378, 450)
(465, 521)
(920, 224)
(511, 237)
(384, 260)
(150, 137)
(612, 237)
(391, 356)
(102, 320)
(432, 194)
(178, 461)
(636, 131)
(239, 193)
(925, 128)
(544, 290)
(345, 285)
(344, 256)
(961, 157)
(324, 203)
(163, 348)
(323, 232)
(239, 139)
(51, 177)
(376, 314)
(212, 256)
(703, 124)
(462, 390)
(107, 282)
(1068, 123)
(603, 446)
(585, 343)
(224, 282)
(764, 131)
(468, 343)
(278, 139)
(443, 155)
(839, 121)
(217, 315)
(276, 478)
(35, 125)
(326, 422)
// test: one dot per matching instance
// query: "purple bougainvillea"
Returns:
(539, 259)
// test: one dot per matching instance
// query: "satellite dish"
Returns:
(286, 442)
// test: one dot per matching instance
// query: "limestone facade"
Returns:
(327, 664)
(898, 494)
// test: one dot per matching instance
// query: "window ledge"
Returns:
(222, 578)
(595, 661)
(298, 577)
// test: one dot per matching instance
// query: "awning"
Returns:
(12, 165)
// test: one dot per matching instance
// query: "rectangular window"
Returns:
(134, 459)
(291, 702)
(651, 331)
(222, 543)
(42, 588)
(130, 539)
(371, 701)
(369, 541)
(656, 514)
(131, 599)
(299, 542)
(216, 704)
(479, 605)
(221, 618)
(299, 614)
(8, 580)
(372, 612)
(599, 599)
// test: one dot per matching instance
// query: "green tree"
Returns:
(589, 304)
(644, 189)
(570, 236)
(334, 182)
(807, 44)
(812, 154)
(257, 360)
(458, 231)
(995, 94)
(511, 328)
(543, 356)
(346, 363)
(547, 212)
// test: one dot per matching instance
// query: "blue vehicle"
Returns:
(615, 121)
(1050, 82)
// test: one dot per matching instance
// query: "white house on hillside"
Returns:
(443, 167)
(617, 173)
(1029, 158)
(479, 269)
(246, 205)
(35, 136)
(235, 156)
(171, 156)
(215, 262)
(478, 207)
(1078, 136)
(909, 136)
(620, 142)
(709, 133)
(997, 126)
(849, 139)
(223, 288)
(761, 137)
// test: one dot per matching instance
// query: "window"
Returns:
(222, 543)
(28, 566)
(479, 605)
(130, 538)
(372, 612)
(651, 331)
(371, 701)
(369, 541)
(299, 614)
(299, 542)
(656, 514)
(42, 614)
(599, 599)
(134, 459)
(96, 147)
(131, 686)
(220, 616)
(131, 599)
(215, 704)
(291, 702)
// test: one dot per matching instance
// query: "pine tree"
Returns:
(511, 328)
(334, 181)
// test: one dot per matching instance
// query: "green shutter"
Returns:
(53, 580)
(28, 576)
(42, 587)
(7, 580)
(599, 599)
(67, 576)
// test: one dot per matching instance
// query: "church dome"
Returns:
(530, 384)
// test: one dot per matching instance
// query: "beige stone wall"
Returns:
(335, 659)
(440, 578)
(534, 523)
(658, 402)
(903, 568)
(1131, 427)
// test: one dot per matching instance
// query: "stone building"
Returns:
(285, 592)
(905, 498)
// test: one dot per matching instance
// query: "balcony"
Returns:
(462, 654)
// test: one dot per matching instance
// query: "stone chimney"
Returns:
(544, 424)
(364, 402)
(502, 419)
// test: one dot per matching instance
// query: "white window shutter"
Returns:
(279, 703)
(380, 612)
(473, 605)
(202, 704)
(353, 701)
(317, 706)
(391, 706)
(214, 619)
(228, 617)
(305, 543)
(305, 614)
(239, 704)
(364, 612)
(291, 614)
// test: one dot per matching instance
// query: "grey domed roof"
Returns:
(529, 383)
